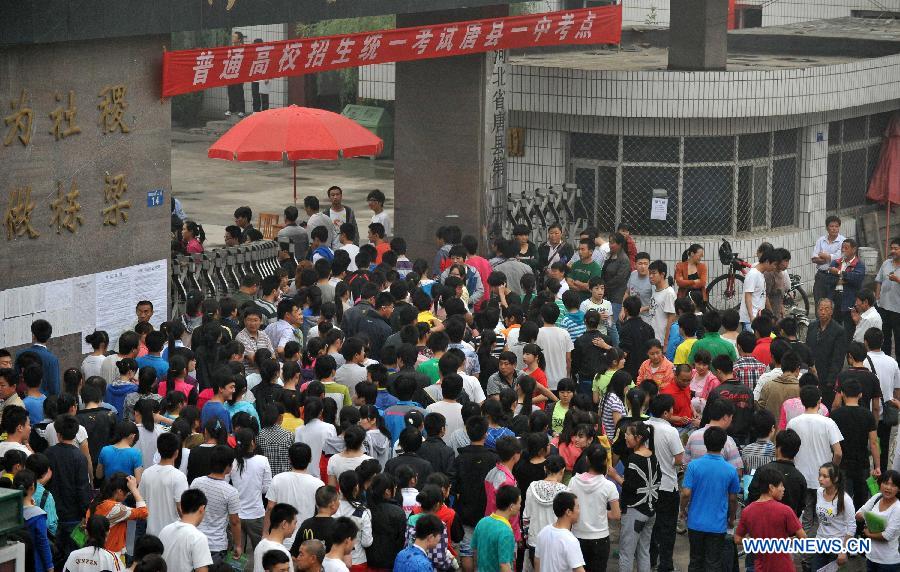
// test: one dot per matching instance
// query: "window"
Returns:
(854, 147)
(715, 185)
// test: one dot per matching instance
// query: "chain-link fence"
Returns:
(712, 186)
(854, 147)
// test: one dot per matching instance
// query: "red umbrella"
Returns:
(885, 184)
(295, 133)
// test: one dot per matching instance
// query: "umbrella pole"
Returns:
(295, 184)
(887, 232)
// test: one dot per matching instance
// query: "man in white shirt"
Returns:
(826, 250)
(162, 485)
(17, 426)
(353, 371)
(669, 452)
(661, 313)
(557, 549)
(864, 314)
(316, 219)
(557, 346)
(754, 299)
(346, 242)
(376, 202)
(888, 374)
(296, 488)
(451, 386)
(285, 328)
(821, 443)
(779, 347)
(223, 504)
(282, 526)
(186, 547)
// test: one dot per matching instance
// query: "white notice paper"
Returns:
(58, 294)
(659, 209)
(115, 302)
(151, 283)
(84, 313)
(23, 301)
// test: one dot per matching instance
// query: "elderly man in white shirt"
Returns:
(865, 315)
(826, 250)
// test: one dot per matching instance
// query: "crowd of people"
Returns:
(361, 410)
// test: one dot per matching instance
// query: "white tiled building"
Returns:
(759, 152)
(774, 13)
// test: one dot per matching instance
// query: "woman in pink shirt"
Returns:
(792, 407)
(192, 236)
(703, 381)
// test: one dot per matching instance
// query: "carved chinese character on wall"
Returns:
(66, 209)
(113, 193)
(229, 4)
(112, 109)
(18, 214)
(67, 115)
(19, 121)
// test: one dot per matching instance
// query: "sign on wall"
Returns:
(80, 305)
(185, 71)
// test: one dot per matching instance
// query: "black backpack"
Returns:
(37, 443)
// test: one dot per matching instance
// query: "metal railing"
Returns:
(218, 272)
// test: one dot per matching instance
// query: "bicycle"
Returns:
(725, 291)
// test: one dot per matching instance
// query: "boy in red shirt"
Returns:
(769, 518)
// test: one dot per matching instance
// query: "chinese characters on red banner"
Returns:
(185, 71)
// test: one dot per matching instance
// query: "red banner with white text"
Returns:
(185, 71)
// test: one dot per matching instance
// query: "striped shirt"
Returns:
(572, 322)
(610, 404)
(222, 500)
(757, 454)
(695, 449)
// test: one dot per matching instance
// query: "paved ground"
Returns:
(210, 189)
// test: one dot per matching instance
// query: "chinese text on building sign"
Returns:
(185, 71)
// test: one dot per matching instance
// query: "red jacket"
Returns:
(763, 350)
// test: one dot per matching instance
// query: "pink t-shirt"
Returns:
(700, 384)
(793, 408)
(193, 246)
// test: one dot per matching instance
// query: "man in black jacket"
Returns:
(634, 333)
(410, 442)
(827, 341)
(353, 317)
(470, 468)
(69, 485)
(99, 421)
(615, 273)
(590, 349)
(738, 394)
(434, 449)
(375, 323)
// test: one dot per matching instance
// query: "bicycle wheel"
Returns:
(720, 299)
(797, 300)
